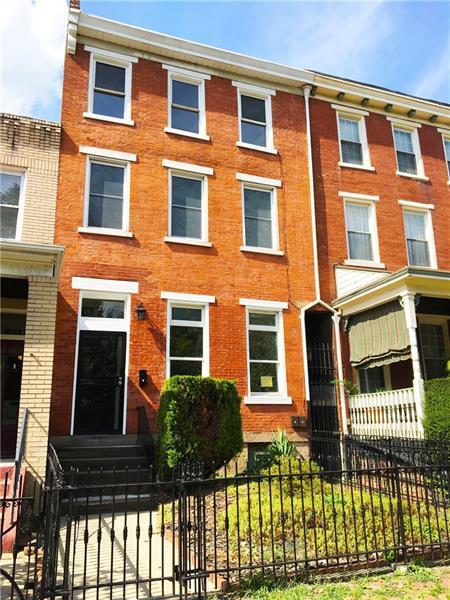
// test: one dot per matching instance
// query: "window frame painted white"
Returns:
(117, 60)
(273, 308)
(8, 170)
(446, 138)
(442, 321)
(107, 159)
(426, 211)
(352, 114)
(413, 129)
(92, 288)
(272, 190)
(184, 302)
(195, 172)
(253, 91)
(193, 78)
(370, 203)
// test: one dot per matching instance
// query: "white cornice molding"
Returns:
(72, 30)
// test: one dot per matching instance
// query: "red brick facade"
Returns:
(330, 179)
(222, 270)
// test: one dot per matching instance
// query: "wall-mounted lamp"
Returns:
(141, 313)
(143, 378)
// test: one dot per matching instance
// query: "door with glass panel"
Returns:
(100, 374)
(435, 349)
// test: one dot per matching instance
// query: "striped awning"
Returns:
(378, 336)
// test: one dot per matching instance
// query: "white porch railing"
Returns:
(391, 413)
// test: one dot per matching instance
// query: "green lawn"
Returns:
(416, 583)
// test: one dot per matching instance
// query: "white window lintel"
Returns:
(105, 285)
(420, 206)
(265, 304)
(258, 180)
(362, 197)
(98, 52)
(188, 167)
(402, 123)
(106, 153)
(349, 110)
(186, 72)
(253, 89)
(193, 298)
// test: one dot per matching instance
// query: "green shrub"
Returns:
(199, 419)
(437, 409)
(280, 447)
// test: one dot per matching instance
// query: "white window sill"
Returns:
(187, 241)
(411, 176)
(259, 148)
(89, 115)
(105, 231)
(190, 134)
(364, 263)
(267, 400)
(360, 167)
(262, 250)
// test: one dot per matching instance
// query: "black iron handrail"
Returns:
(20, 450)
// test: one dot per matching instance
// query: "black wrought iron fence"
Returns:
(104, 535)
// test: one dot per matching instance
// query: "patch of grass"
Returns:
(415, 583)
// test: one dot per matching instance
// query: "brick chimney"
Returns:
(75, 4)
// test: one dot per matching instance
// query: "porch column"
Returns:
(408, 302)
(37, 371)
(337, 336)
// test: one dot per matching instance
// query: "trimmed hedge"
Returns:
(199, 419)
(437, 409)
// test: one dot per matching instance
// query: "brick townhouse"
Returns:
(30, 265)
(201, 205)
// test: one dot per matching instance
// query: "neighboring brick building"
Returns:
(189, 223)
(29, 155)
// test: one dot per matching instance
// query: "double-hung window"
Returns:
(188, 203)
(407, 148)
(419, 234)
(11, 194)
(187, 349)
(186, 106)
(353, 146)
(107, 192)
(446, 141)
(259, 208)
(435, 346)
(110, 86)
(255, 117)
(361, 227)
(265, 353)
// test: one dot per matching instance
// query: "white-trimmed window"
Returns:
(446, 142)
(419, 234)
(11, 204)
(188, 203)
(259, 210)
(107, 191)
(353, 146)
(361, 228)
(434, 345)
(265, 353)
(407, 148)
(255, 117)
(109, 95)
(186, 102)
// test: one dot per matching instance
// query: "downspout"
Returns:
(336, 316)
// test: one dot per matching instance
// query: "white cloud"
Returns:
(340, 38)
(435, 82)
(32, 34)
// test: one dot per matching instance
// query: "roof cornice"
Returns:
(230, 63)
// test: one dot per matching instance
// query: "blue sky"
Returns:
(400, 45)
